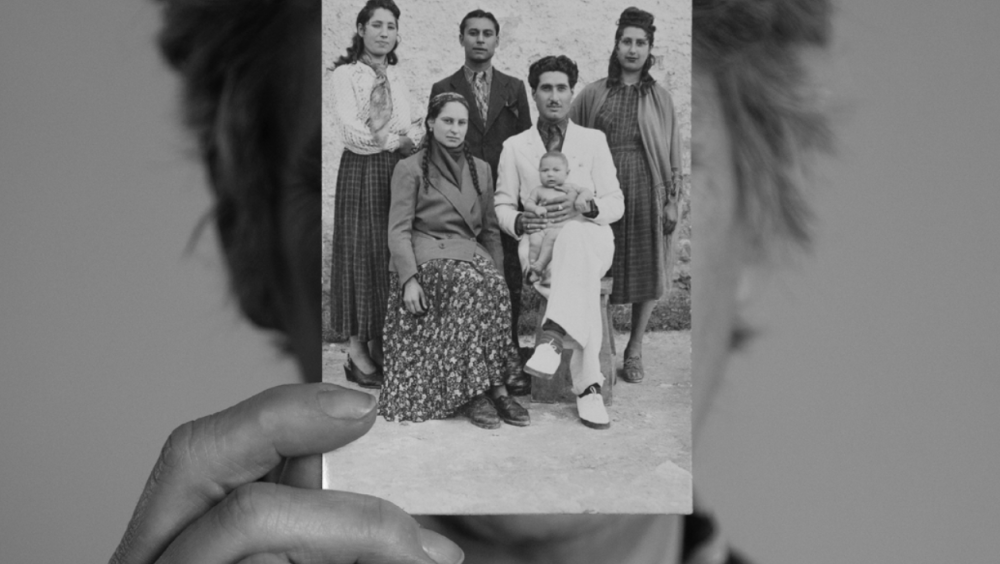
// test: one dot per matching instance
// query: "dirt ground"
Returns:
(642, 464)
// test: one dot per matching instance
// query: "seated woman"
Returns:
(448, 322)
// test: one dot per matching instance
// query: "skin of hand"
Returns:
(561, 208)
(413, 297)
(204, 501)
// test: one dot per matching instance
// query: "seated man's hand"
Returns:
(532, 222)
(205, 502)
(561, 208)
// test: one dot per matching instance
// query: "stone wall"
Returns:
(529, 29)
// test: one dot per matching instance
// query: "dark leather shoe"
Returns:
(633, 372)
(511, 412)
(354, 374)
(481, 412)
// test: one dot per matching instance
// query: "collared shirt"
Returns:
(470, 76)
(543, 129)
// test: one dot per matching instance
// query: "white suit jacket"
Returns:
(590, 166)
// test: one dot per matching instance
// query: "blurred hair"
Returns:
(229, 55)
(552, 63)
(357, 46)
(752, 50)
(640, 19)
(478, 14)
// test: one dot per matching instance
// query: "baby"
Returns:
(535, 250)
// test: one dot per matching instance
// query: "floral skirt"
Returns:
(457, 350)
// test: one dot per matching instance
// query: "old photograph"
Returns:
(506, 252)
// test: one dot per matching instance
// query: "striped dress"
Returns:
(636, 265)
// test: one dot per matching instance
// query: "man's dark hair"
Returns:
(478, 14)
(552, 63)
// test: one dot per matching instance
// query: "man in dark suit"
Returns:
(499, 109)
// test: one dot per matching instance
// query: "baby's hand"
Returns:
(537, 208)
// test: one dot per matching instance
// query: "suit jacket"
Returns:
(440, 220)
(509, 113)
(590, 166)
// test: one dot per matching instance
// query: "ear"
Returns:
(361, 29)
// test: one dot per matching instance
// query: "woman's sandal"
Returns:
(633, 372)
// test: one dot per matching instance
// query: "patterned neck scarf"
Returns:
(380, 101)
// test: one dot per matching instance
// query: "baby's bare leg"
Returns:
(541, 262)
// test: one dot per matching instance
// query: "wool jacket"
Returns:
(509, 113)
(440, 220)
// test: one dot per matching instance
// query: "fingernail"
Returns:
(346, 404)
(439, 548)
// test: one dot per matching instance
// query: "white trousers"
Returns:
(581, 256)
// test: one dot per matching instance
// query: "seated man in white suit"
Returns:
(583, 250)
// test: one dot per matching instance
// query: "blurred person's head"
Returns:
(755, 123)
(250, 92)
(250, 71)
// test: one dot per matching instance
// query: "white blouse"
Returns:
(352, 87)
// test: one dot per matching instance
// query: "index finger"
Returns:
(204, 460)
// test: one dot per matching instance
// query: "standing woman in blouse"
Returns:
(373, 115)
(637, 115)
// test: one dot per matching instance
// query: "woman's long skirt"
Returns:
(458, 349)
(359, 284)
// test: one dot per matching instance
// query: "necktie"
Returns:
(555, 138)
(482, 94)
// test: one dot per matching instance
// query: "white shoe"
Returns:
(545, 361)
(592, 411)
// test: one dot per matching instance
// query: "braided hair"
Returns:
(357, 46)
(437, 104)
(641, 19)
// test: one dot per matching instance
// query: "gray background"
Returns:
(860, 428)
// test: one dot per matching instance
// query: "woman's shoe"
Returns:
(633, 372)
(511, 412)
(354, 374)
(481, 412)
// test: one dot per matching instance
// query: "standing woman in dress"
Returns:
(373, 115)
(447, 332)
(637, 115)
